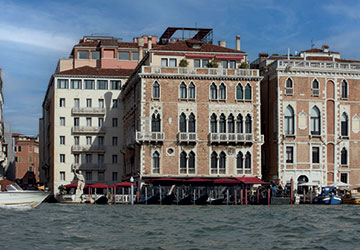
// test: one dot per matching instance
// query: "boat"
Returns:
(15, 196)
(187, 200)
(352, 197)
(332, 199)
(202, 200)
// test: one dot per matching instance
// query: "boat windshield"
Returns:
(13, 187)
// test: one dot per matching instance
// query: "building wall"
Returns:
(27, 158)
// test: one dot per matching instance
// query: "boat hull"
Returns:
(22, 198)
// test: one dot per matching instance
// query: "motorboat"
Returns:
(352, 197)
(15, 196)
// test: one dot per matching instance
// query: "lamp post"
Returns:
(132, 190)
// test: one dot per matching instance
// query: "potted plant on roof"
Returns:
(244, 65)
(183, 63)
(213, 64)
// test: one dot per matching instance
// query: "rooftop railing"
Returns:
(317, 65)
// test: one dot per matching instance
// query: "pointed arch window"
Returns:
(344, 157)
(239, 92)
(222, 163)
(315, 121)
(214, 163)
(183, 91)
(248, 92)
(248, 124)
(183, 163)
(239, 163)
(344, 125)
(222, 124)
(239, 124)
(155, 123)
(213, 123)
(289, 121)
(156, 90)
(192, 123)
(222, 92)
(213, 91)
(191, 165)
(192, 91)
(156, 162)
(182, 122)
(231, 124)
(344, 89)
(248, 163)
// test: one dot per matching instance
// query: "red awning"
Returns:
(199, 56)
(226, 181)
(98, 185)
(124, 184)
(250, 180)
(229, 57)
(197, 180)
(74, 185)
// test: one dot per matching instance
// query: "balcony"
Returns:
(184, 137)
(88, 148)
(88, 111)
(229, 138)
(87, 130)
(149, 137)
(89, 166)
(200, 71)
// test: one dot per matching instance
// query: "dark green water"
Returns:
(59, 226)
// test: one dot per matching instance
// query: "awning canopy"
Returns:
(165, 180)
(226, 181)
(124, 184)
(74, 185)
(229, 57)
(98, 185)
(250, 180)
(199, 181)
(199, 56)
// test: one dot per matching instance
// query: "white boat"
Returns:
(15, 196)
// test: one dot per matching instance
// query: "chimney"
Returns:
(140, 43)
(222, 43)
(325, 48)
(237, 42)
(149, 42)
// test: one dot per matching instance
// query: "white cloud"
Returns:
(35, 37)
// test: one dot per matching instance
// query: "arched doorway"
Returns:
(300, 180)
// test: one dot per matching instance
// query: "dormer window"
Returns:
(83, 54)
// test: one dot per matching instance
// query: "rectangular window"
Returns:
(101, 122)
(102, 84)
(89, 84)
(88, 158)
(88, 103)
(76, 102)
(172, 62)
(19, 149)
(95, 55)
(114, 176)
(101, 140)
(135, 56)
(115, 85)
(76, 140)
(114, 159)
(232, 64)
(76, 158)
(101, 103)
(101, 176)
(76, 121)
(62, 102)
(114, 141)
(76, 84)
(164, 62)
(88, 122)
(62, 175)
(316, 155)
(197, 63)
(115, 103)
(62, 140)
(62, 121)
(30, 159)
(205, 63)
(62, 158)
(114, 122)
(88, 140)
(62, 83)
(100, 159)
(224, 64)
(124, 55)
(289, 154)
(344, 177)
(83, 54)
(88, 176)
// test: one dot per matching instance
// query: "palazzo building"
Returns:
(192, 109)
(310, 117)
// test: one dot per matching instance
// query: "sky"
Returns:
(35, 34)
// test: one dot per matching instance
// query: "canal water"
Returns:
(60, 226)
